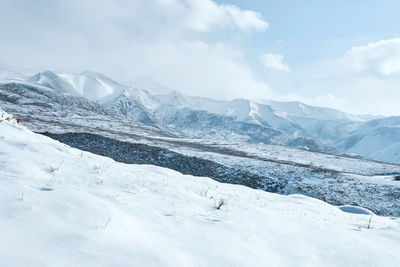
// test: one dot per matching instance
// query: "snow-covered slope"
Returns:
(205, 125)
(8, 119)
(88, 84)
(322, 123)
(135, 104)
(379, 139)
(64, 207)
(53, 81)
(91, 85)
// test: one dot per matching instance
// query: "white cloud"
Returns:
(204, 15)
(246, 19)
(201, 69)
(382, 57)
(190, 45)
(364, 80)
(274, 62)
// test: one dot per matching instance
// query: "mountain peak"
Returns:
(51, 80)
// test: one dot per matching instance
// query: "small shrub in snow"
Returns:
(370, 221)
(205, 192)
(221, 203)
(397, 178)
(54, 169)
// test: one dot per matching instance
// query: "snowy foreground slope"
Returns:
(63, 207)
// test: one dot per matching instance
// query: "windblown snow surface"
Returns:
(60, 206)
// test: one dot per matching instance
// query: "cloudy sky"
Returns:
(341, 54)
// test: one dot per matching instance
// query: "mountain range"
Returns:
(271, 122)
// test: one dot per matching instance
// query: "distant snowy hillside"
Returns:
(234, 120)
(53, 81)
(242, 110)
(202, 124)
(63, 207)
(379, 139)
(91, 85)
(322, 123)
(135, 104)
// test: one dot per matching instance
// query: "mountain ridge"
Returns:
(271, 122)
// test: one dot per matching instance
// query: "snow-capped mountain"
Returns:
(91, 85)
(239, 119)
(100, 212)
(242, 110)
(288, 123)
(53, 81)
(378, 139)
(270, 122)
(88, 84)
(135, 104)
(322, 123)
